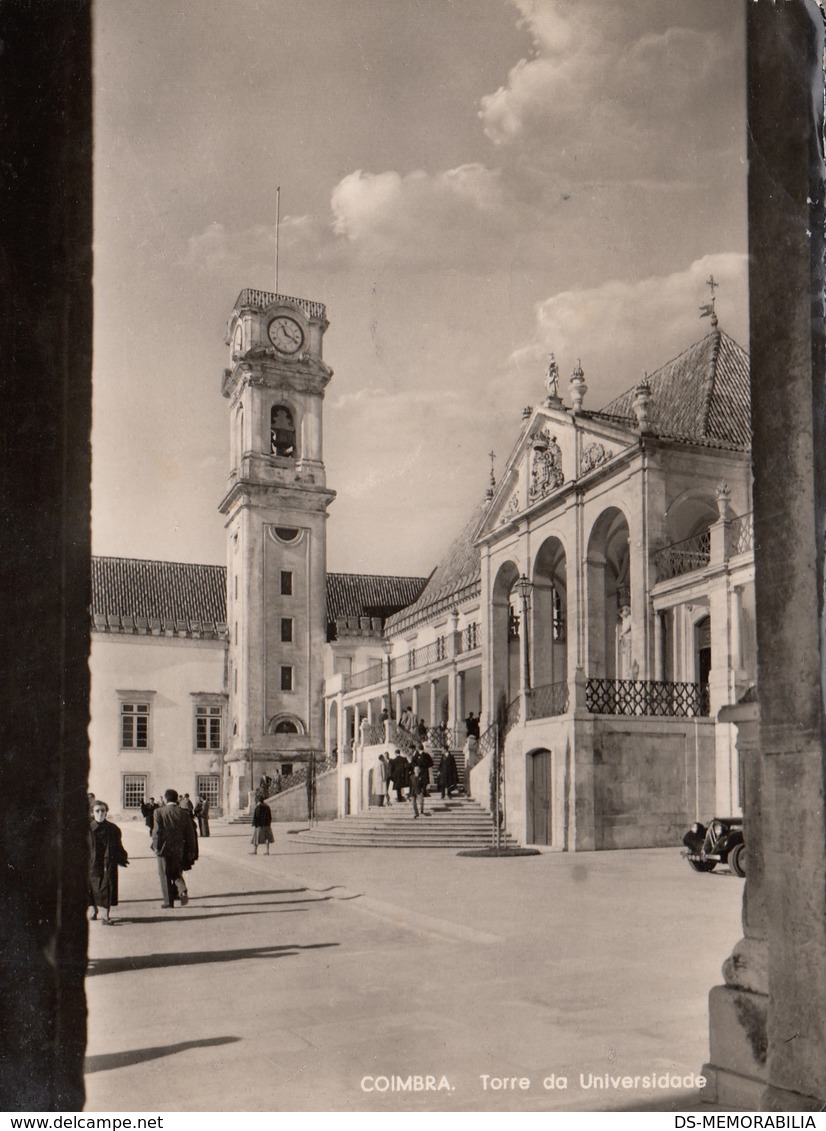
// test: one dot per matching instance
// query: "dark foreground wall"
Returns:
(45, 371)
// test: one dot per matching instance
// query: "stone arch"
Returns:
(285, 723)
(505, 639)
(283, 433)
(608, 595)
(332, 728)
(549, 613)
(691, 512)
(238, 445)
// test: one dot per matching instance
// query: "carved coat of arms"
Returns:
(546, 467)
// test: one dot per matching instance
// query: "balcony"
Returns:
(683, 557)
(547, 701)
(646, 697)
(442, 650)
(740, 535)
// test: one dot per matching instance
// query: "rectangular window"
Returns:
(134, 790)
(208, 728)
(210, 786)
(286, 678)
(441, 648)
(286, 583)
(286, 630)
(286, 769)
(134, 726)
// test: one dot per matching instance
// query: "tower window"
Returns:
(286, 630)
(286, 678)
(286, 583)
(282, 432)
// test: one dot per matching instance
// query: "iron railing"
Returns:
(364, 678)
(546, 701)
(646, 697)
(299, 775)
(439, 651)
(740, 534)
(372, 734)
(683, 557)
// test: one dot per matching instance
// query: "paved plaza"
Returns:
(370, 980)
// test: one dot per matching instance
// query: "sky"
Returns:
(467, 184)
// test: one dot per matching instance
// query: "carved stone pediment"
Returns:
(593, 456)
(546, 466)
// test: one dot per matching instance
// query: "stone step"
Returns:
(458, 823)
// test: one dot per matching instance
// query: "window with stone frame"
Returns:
(135, 720)
(209, 726)
(133, 790)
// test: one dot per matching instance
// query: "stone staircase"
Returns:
(455, 823)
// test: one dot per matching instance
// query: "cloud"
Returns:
(602, 90)
(621, 329)
(459, 216)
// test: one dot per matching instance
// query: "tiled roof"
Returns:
(135, 595)
(359, 595)
(456, 576)
(702, 395)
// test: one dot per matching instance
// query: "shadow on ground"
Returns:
(109, 1060)
(131, 963)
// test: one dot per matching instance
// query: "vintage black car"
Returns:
(719, 842)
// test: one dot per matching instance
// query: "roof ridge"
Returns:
(710, 380)
(153, 561)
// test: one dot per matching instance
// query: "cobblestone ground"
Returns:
(322, 979)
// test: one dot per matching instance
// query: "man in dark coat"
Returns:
(175, 843)
(398, 773)
(448, 776)
(423, 761)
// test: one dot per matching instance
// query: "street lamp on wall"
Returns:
(523, 587)
(387, 645)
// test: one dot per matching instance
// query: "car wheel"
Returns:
(737, 860)
(703, 865)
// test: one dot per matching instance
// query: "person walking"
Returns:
(106, 855)
(423, 761)
(398, 773)
(448, 776)
(202, 813)
(385, 779)
(175, 843)
(471, 759)
(148, 812)
(417, 794)
(261, 827)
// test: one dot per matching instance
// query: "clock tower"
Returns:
(275, 509)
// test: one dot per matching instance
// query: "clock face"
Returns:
(285, 334)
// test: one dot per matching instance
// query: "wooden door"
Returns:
(539, 798)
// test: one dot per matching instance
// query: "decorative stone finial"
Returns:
(642, 398)
(527, 411)
(492, 484)
(552, 383)
(723, 500)
(577, 387)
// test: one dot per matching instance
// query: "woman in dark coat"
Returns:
(106, 855)
(261, 827)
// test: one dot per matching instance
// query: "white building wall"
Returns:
(169, 671)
